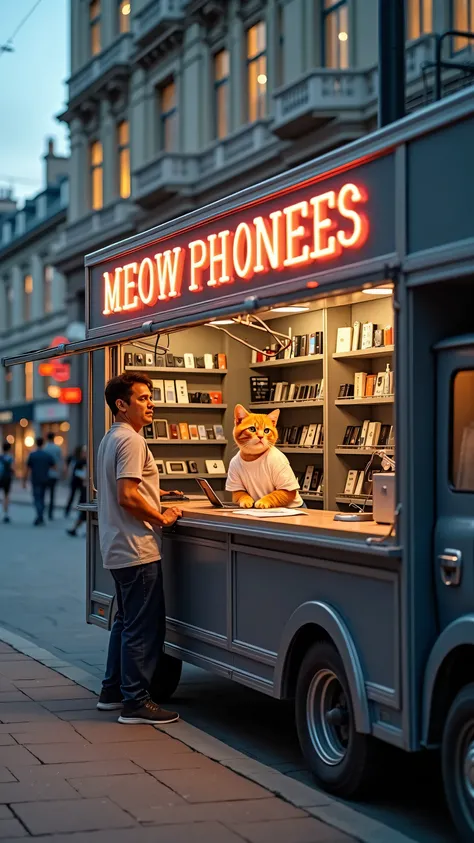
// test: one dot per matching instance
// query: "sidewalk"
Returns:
(25, 496)
(67, 768)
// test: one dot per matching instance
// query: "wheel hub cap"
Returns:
(469, 770)
(327, 717)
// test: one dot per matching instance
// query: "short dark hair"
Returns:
(39, 442)
(121, 388)
(50, 437)
(6, 447)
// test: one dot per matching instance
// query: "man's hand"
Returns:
(171, 515)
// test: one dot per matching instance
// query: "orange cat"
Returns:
(260, 475)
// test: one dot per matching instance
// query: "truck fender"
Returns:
(324, 616)
(459, 633)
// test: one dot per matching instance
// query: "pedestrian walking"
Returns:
(38, 466)
(54, 473)
(130, 522)
(75, 483)
(81, 474)
(6, 477)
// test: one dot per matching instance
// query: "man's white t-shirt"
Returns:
(270, 472)
(125, 540)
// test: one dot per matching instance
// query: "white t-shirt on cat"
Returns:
(260, 477)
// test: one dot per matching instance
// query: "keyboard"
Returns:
(172, 497)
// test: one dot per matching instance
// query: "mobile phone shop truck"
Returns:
(368, 626)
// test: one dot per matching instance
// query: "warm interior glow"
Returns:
(126, 9)
(29, 441)
(64, 426)
(23, 422)
(261, 79)
(58, 440)
(10, 439)
(342, 36)
(54, 391)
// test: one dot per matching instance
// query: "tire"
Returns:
(343, 761)
(457, 753)
(166, 678)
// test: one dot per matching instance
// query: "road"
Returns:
(42, 572)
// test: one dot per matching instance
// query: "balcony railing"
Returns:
(242, 145)
(167, 174)
(157, 15)
(115, 56)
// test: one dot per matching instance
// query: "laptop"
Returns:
(211, 495)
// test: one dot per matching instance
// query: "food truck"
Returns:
(341, 293)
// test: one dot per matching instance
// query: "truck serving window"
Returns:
(462, 427)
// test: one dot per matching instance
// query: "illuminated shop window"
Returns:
(94, 27)
(96, 175)
(336, 34)
(419, 18)
(124, 13)
(221, 93)
(462, 17)
(257, 71)
(123, 140)
(168, 117)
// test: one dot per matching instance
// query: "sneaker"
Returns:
(109, 700)
(149, 712)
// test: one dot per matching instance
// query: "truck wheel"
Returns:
(341, 760)
(166, 678)
(458, 762)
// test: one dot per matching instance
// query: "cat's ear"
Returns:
(274, 416)
(240, 413)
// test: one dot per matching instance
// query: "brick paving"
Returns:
(72, 774)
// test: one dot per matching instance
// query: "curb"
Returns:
(315, 802)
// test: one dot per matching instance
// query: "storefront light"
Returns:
(29, 441)
(290, 309)
(10, 439)
(261, 79)
(126, 9)
(24, 422)
(342, 36)
(378, 291)
(64, 426)
(54, 391)
(221, 322)
(58, 440)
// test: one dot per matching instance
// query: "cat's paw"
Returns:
(246, 502)
(263, 503)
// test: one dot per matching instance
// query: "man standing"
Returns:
(38, 466)
(54, 473)
(130, 522)
(6, 477)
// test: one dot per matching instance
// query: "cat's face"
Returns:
(255, 433)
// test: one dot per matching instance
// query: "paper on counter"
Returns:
(276, 512)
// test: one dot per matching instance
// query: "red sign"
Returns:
(70, 395)
(45, 370)
(61, 372)
(309, 233)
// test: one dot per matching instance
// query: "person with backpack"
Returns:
(6, 477)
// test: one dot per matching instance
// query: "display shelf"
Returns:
(307, 496)
(299, 449)
(293, 361)
(175, 370)
(379, 351)
(364, 451)
(189, 406)
(377, 399)
(354, 499)
(187, 441)
(285, 405)
(189, 476)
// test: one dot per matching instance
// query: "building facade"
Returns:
(174, 103)
(33, 309)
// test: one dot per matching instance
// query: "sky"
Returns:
(32, 90)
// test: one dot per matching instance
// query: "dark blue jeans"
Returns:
(39, 491)
(138, 633)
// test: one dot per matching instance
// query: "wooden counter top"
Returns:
(314, 522)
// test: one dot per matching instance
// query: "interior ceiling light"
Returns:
(262, 79)
(378, 291)
(221, 322)
(295, 308)
(126, 9)
(342, 36)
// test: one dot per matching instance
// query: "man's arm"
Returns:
(130, 498)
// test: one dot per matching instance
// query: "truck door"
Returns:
(454, 533)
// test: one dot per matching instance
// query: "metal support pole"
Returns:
(391, 61)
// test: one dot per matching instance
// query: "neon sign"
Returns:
(304, 234)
